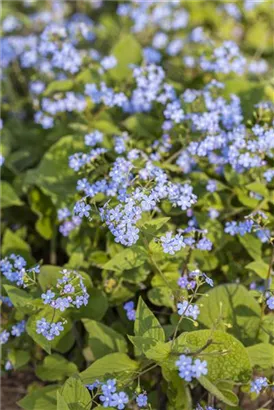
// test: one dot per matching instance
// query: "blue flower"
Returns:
(258, 384)
(18, 328)
(108, 62)
(270, 302)
(188, 310)
(199, 368)
(141, 400)
(93, 386)
(105, 399)
(4, 337)
(109, 387)
(119, 400)
(48, 296)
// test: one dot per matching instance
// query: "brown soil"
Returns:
(14, 387)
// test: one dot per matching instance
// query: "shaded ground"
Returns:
(13, 388)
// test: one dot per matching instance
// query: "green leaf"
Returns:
(159, 352)
(48, 276)
(151, 348)
(103, 339)
(178, 393)
(234, 304)
(42, 206)
(259, 188)
(61, 402)
(54, 368)
(150, 227)
(252, 245)
(259, 267)
(117, 365)
(142, 125)
(226, 396)
(12, 243)
(250, 93)
(127, 51)
(21, 299)
(226, 357)
(9, 196)
(53, 175)
(58, 86)
(75, 394)
(261, 355)
(146, 324)
(96, 307)
(127, 259)
(161, 296)
(42, 399)
(18, 358)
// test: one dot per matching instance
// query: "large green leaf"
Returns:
(58, 86)
(161, 296)
(103, 339)
(112, 365)
(146, 324)
(252, 245)
(179, 397)
(12, 243)
(227, 396)
(18, 358)
(226, 357)
(76, 395)
(55, 367)
(261, 355)
(43, 398)
(53, 174)
(96, 307)
(127, 51)
(42, 206)
(260, 267)
(127, 259)
(231, 304)
(61, 402)
(21, 299)
(9, 196)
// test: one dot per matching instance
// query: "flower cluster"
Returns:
(172, 244)
(258, 384)
(13, 268)
(110, 397)
(188, 310)
(193, 278)
(239, 228)
(189, 368)
(48, 329)
(70, 291)
(226, 58)
(16, 331)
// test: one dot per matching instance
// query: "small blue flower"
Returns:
(109, 387)
(199, 368)
(119, 400)
(48, 296)
(4, 337)
(270, 302)
(141, 400)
